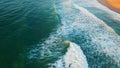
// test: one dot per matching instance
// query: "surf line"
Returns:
(88, 13)
(74, 57)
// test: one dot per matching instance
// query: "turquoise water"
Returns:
(22, 24)
(58, 34)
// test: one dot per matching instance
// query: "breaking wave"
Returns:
(58, 34)
(100, 45)
(74, 58)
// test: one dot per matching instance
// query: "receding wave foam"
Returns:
(90, 14)
(98, 41)
(100, 46)
(74, 58)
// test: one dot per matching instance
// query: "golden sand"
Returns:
(112, 4)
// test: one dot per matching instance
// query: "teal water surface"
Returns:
(58, 34)
(23, 23)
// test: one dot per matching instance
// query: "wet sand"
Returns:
(111, 4)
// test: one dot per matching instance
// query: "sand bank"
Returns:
(111, 4)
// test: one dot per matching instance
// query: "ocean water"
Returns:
(22, 24)
(58, 34)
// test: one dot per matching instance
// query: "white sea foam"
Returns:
(103, 38)
(74, 58)
(86, 12)
(88, 31)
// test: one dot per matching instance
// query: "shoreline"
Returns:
(110, 5)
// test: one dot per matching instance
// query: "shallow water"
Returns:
(33, 34)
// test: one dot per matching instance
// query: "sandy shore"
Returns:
(111, 4)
